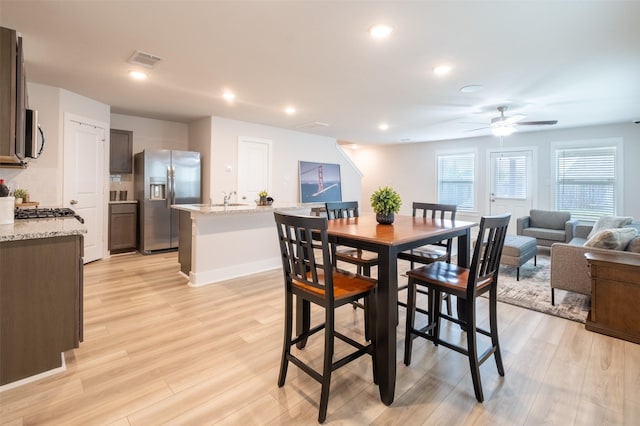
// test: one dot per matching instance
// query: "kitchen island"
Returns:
(41, 305)
(217, 243)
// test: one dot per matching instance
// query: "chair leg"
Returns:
(328, 364)
(493, 324)
(448, 298)
(435, 308)
(368, 331)
(411, 313)
(553, 296)
(372, 331)
(286, 345)
(472, 350)
(518, 273)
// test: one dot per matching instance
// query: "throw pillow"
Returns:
(612, 239)
(634, 245)
(609, 222)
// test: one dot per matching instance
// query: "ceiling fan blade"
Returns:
(514, 118)
(479, 128)
(536, 123)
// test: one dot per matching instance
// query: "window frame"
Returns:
(451, 153)
(613, 142)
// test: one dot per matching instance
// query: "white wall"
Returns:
(200, 141)
(288, 146)
(411, 168)
(43, 178)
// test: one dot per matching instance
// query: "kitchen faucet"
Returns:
(227, 197)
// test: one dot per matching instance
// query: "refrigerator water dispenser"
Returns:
(157, 191)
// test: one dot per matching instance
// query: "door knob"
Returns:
(73, 202)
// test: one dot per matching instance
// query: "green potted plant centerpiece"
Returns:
(385, 202)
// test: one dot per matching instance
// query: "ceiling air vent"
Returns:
(311, 125)
(143, 59)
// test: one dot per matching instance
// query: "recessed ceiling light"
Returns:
(472, 88)
(229, 96)
(138, 75)
(442, 69)
(290, 110)
(380, 31)
(383, 126)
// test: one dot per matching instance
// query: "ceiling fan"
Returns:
(504, 126)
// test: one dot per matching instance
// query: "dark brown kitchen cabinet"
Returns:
(123, 231)
(41, 305)
(120, 152)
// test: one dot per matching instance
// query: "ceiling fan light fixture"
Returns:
(502, 130)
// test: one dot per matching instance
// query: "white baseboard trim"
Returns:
(30, 379)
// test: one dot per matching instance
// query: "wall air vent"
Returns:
(312, 124)
(143, 59)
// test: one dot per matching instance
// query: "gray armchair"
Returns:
(547, 226)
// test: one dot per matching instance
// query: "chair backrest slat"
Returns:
(304, 246)
(487, 251)
(435, 210)
(342, 209)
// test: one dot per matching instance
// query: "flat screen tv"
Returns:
(319, 182)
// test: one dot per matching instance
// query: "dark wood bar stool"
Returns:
(430, 254)
(467, 285)
(310, 275)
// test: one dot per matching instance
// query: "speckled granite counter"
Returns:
(41, 228)
(218, 209)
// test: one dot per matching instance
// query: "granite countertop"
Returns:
(234, 208)
(29, 229)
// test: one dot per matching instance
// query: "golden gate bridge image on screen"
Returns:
(319, 182)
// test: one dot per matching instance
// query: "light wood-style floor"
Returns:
(156, 351)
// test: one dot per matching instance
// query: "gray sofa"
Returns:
(569, 267)
(547, 226)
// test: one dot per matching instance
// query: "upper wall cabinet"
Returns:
(121, 152)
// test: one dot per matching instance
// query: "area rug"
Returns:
(533, 292)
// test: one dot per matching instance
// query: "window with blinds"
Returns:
(586, 183)
(456, 180)
(510, 176)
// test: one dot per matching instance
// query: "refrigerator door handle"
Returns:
(169, 187)
(173, 184)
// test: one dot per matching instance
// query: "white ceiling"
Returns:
(575, 62)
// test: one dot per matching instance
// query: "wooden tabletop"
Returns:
(403, 229)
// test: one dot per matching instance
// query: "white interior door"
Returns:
(254, 168)
(84, 179)
(511, 184)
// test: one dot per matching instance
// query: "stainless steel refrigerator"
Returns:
(163, 177)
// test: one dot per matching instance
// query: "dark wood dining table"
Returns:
(387, 241)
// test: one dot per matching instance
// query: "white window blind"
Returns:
(456, 180)
(586, 181)
(510, 177)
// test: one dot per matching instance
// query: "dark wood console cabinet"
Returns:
(40, 304)
(120, 151)
(615, 291)
(123, 227)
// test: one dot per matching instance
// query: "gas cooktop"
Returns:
(46, 213)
